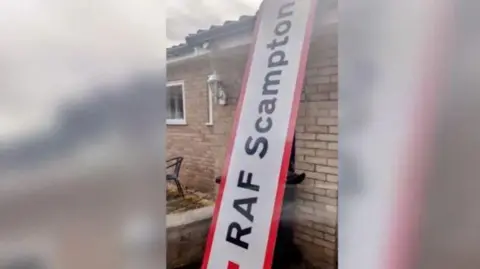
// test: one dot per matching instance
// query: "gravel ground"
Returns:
(192, 200)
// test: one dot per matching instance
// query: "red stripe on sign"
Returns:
(288, 144)
(232, 265)
(404, 242)
(218, 202)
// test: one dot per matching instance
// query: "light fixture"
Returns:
(215, 86)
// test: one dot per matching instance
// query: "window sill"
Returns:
(176, 122)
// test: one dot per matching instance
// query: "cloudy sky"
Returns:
(186, 16)
(57, 50)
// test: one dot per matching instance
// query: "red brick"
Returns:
(330, 70)
(332, 178)
(326, 185)
(326, 200)
(332, 162)
(332, 193)
(316, 160)
(316, 145)
(305, 166)
(318, 97)
(333, 146)
(327, 137)
(318, 80)
(317, 129)
(315, 175)
(333, 96)
(305, 136)
(326, 169)
(306, 121)
(327, 121)
(300, 128)
(305, 152)
(326, 153)
(323, 243)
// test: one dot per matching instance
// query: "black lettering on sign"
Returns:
(277, 58)
(264, 123)
(274, 44)
(267, 106)
(251, 150)
(282, 13)
(286, 25)
(267, 89)
(235, 234)
(246, 212)
(247, 184)
(266, 127)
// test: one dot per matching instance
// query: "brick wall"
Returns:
(317, 156)
(202, 146)
(191, 141)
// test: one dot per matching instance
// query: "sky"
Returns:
(183, 16)
(54, 50)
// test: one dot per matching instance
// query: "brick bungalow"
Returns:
(199, 130)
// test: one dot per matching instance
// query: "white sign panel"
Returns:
(248, 206)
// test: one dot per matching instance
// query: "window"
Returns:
(176, 103)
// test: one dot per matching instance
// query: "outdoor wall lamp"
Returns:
(216, 88)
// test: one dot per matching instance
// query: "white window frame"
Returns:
(184, 120)
(210, 108)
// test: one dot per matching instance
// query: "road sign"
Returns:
(247, 212)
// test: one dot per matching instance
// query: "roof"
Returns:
(228, 28)
(244, 24)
